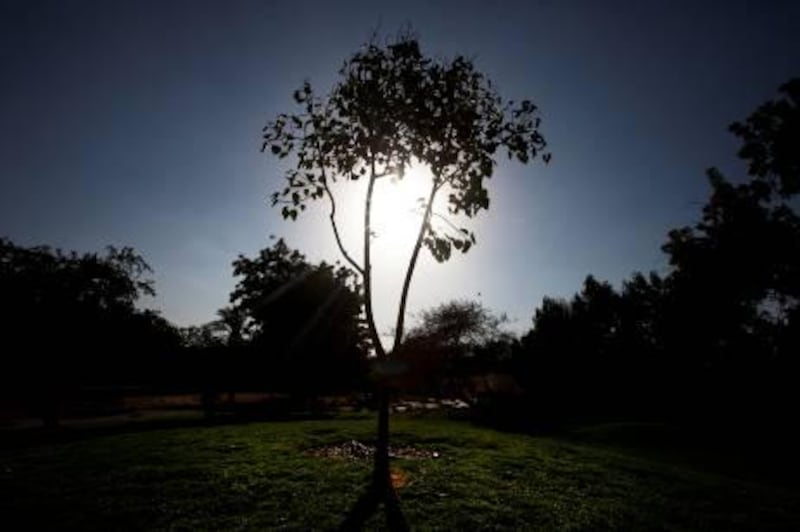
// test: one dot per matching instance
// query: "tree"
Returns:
(306, 317)
(770, 137)
(569, 361)
(717, 337)
(68, 312)
(235, 323)
(205, 336)
(394, 107)
(457, 339)
(734, 290)
(739, 262)
(462, 324)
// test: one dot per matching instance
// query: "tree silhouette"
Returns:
(306, 318)
(67, 312)
(394, 107)
(568, 360)
(463, 324)
(770, 136)
(456, 339)
(208, 335)
(734, 289)
(716, 338)
(234, 320)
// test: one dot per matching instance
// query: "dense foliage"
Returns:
(716, 339)
(70, 320)
(305, 321)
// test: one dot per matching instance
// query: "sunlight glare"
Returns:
(398, 205)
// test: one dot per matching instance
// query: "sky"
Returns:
(139, 124)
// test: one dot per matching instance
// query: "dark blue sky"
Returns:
(138, 123)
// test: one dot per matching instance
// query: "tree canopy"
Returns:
(70, 320)
(452, 342)
(394, 107)
(305, 318)
(79, 299)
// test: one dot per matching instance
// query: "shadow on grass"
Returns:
(369, 503)
(25, 437)
(763, 452)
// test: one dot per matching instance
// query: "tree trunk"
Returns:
(381, 471)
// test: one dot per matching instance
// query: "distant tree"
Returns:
(65, 317)
(569, 360)
(208, 361)
(208, 335)
(393, 108)
(453, 341)
(236, 325)
(463, 324)
(305, 317)
(640, 311)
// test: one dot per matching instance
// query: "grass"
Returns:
(257, 476)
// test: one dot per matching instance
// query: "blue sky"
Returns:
(138, 123)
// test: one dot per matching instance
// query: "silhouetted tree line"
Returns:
(292, 327)
(69, 321)
(72, 334)
(713, 341)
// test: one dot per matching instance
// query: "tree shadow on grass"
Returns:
(378, 492)
(18, 438)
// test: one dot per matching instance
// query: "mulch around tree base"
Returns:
(355, 450)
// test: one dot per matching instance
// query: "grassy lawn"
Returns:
(258, 476)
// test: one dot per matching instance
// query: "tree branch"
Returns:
(401, 313)
(367, 273)
(445, 220)
(332, 216)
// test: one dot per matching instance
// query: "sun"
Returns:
(396, 212)
(398, 206)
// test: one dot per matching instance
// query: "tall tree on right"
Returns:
(718, 337)
(733, 307)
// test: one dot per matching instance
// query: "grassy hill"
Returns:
(265, 476)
